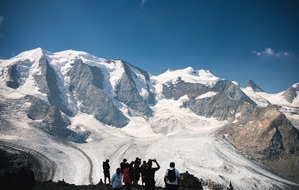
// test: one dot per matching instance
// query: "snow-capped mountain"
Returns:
(72, 110)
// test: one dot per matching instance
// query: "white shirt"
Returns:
(176, 179)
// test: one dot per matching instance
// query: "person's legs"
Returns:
(107, 175)
(128, 186)
(109, 178)
(105, 178)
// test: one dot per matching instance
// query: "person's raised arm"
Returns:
(158, 166)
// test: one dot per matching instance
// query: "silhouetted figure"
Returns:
(142, 170)
(117, 180)
(131, 169)
(136, 171)
(127, 177)
(24, 179)
(101, 182)
(172, 177)
(106, 170)
(122, 165)
(150, 175)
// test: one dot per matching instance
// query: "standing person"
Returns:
(106, 170)
(127, 177)
(122, 165)
(131, 167)
(116, 180)
(136, 171)
(172, 177)
(143, 167)
(150, 175)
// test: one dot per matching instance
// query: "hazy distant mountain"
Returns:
(72, 95)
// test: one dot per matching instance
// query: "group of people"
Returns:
(130, 174)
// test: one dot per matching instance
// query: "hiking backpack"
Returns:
(171, 175)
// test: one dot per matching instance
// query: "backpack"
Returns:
(171, 175)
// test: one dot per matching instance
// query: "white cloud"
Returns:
(269, 52)
(1, 20)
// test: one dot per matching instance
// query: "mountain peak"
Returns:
(37, 52)
(254, 86)
(189, 75)
(291, 93)
(296, 86)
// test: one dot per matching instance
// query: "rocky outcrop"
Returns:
(86, 86)
(150, 99)
(48, 84)
(232, 91)
(254, 86)
(227, 99)
(181, 88)
(268, 136)
(49, 119)
(128, 94)
(14, 77)
(291, 93)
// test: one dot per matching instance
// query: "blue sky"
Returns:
(235, 40)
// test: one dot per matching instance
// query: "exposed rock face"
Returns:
(291, 93)
(129, 95)
(14, 77)
(15, 72)
(51, 120)
(269, 137)
(267, 132)
(150, 100)
(86, 85)
(227, 100)
(48, 84)
(254, 86)
(232, 91)
(182, 88)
